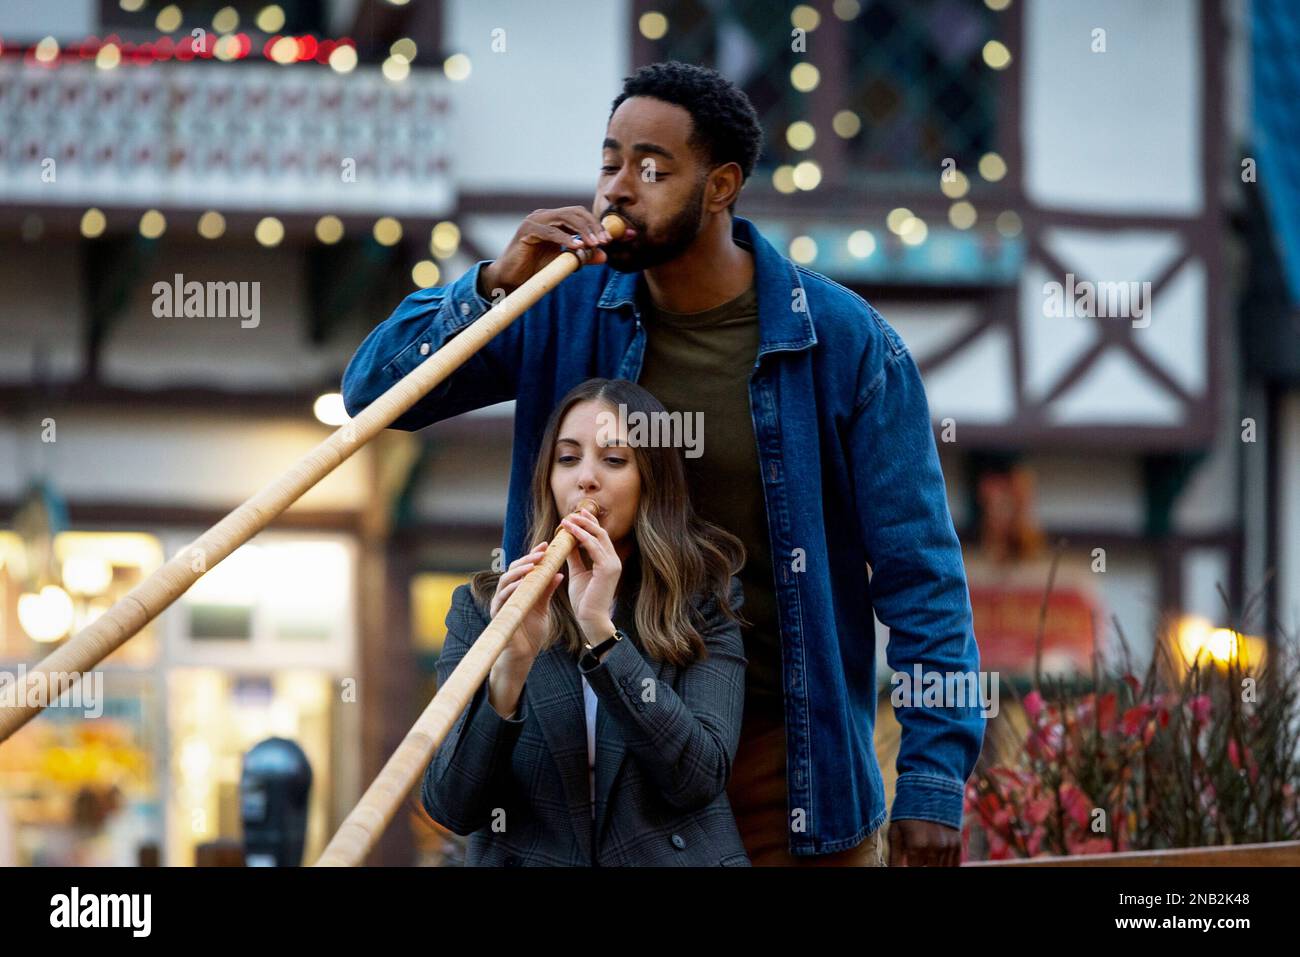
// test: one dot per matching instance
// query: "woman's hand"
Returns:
(527, 640)
(591, 590)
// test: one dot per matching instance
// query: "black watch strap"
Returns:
(591, 657)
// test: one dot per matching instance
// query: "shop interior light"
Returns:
(329, 409)
(46, 615)
(1199, 637)
(87, 575)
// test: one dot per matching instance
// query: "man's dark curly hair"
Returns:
(724, 125)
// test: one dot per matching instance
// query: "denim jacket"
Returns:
(856, 505)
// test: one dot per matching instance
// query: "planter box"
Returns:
(1279, 854)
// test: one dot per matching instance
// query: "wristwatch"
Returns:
(591, 657)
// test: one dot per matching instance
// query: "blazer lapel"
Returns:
(611, 749)
(554, 692)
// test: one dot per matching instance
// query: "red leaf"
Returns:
(1106, 711)
(1135, 718)
(1200, 706)
(1033, 704)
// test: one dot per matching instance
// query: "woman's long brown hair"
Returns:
(678, 561)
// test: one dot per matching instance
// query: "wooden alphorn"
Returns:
(360, 829)
(148, 599)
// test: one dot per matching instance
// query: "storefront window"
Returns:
(262, 646)
(81, 791)
(215, 718)
(79, 783)
(146, 767)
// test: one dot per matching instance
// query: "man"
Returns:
(818, 452)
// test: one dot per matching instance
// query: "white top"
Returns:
(589, 699)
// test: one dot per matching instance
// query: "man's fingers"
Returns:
(896, 842)
(928, 852)
(579, 221)
(541, 233)
(568, 227)
(586, 221)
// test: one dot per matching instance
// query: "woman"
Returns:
(643, 643)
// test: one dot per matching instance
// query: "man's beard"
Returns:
(644, 252)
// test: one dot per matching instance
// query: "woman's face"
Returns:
(592, 459)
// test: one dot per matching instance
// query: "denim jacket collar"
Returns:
(783, 318)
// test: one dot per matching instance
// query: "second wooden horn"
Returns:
(63, 667)
(360, 829)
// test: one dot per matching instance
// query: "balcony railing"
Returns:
(223, 135)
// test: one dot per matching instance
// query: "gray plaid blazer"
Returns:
(665, 741)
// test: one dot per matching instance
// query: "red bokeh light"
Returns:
(184, 48)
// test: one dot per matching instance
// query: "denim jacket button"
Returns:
(424, 348)
(679, 842)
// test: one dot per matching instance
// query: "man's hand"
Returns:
(923, 844)
(542, 236)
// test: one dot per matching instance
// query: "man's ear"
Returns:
(724, 186)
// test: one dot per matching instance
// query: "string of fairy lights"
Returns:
(806, 174)
(224, 41)
(444, 237)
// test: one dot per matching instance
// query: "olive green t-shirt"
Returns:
(701, 362)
